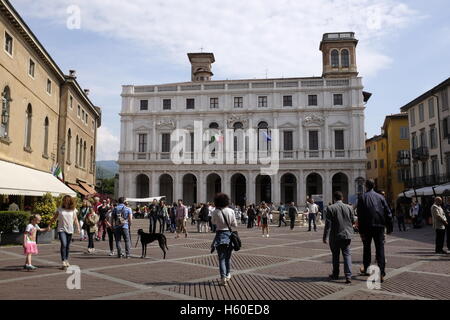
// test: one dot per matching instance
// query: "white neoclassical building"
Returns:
(310, 129)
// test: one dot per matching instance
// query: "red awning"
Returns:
(88, 188)
(78, 189)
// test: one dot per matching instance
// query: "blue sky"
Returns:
(404, 46)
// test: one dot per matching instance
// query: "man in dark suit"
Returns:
(339, 220)
(374, 216)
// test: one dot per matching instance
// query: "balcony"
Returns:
(420, 153)
(403, 162)
(427, 181)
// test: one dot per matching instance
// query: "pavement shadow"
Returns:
(20, 268)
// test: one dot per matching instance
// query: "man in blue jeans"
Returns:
(121, 218)
(339, 220)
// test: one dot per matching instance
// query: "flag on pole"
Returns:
(217, 137)
(57, 172)
(266, 135)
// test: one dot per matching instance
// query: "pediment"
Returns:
(288, 125)
(142, 128)
(338, 124)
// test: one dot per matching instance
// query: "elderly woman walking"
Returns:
(224, 218)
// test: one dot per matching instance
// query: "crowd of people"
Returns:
(372, 218)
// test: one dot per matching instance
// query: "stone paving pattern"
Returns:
(290, 265)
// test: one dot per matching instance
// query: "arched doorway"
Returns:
(166, 188)
(263, 189)
(213, 186)
(238, 189)
(189, 189)
(340, 183)
(288, 185)
(142, 186)
(314, 185)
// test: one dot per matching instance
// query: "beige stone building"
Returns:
(39, 107)
(79, 120)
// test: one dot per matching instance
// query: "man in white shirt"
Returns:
(312, 210)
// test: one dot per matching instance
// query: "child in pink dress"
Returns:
(29, 240)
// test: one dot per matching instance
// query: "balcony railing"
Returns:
(427, 181)
(420, 153)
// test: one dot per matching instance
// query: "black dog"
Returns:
(147, 238)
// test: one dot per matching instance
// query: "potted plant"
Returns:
(12, 226)
(46, 207)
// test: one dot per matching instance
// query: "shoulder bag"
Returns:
(235, 241)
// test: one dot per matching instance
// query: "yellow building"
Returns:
(46, 119)
(395, 129)
(388, 156)
(377, 161)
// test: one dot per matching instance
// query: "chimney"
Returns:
(73, 74)
(201, 66)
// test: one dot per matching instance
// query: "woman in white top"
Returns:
(222, 240)
(67, 218)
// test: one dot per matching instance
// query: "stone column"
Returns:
(251, 187)
(178, 186)
(154, 151)
(301, 189)
(201, 187)
(226, 183)
(327, 185)
(275, 180)
(154, 190)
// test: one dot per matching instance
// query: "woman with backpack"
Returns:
(224, 218)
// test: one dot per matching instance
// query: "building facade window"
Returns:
(369, 165)
(312, 100)
(190, 103)
(238, 102)
(313, 143)
(337, 100)
(339, 143)
(214, 103)
(381, 163)
(79, 111)
(5, 112)
(335, 58)
(421, 113)
(288, 140)
(84, 155)
(144, 105)
(31, 68)
(77, 150)
(416, 170)
(434, 166)
(28, 123)
(142, 143)
(165, 142)
(345, 58)
(71, 102)
(69, 145)
(444, 98)
(414, 140)
(433, 137)
(46, 127)
(412, 117)
(262, 102)
(92, 160)
(431, 108)
(375, 164)
(167, 104)
(404, 133)
(423, 138)
(287, 101)
(8, 43)
(49, 86)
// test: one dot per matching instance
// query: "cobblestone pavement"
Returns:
(290, 265)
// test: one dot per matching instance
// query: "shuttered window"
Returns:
(288, 141)
(165, 145)
(339, 139)
(313, 140)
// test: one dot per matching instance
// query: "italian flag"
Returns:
(57, 172)
(217, 137)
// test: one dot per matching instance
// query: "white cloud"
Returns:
(247, 37)
(108, 144)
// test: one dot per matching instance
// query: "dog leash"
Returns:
(137, 240)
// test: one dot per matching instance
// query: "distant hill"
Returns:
(107, 169)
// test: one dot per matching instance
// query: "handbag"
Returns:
(235, 241)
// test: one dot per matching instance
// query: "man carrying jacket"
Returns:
(374, 216)
(339, 220)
